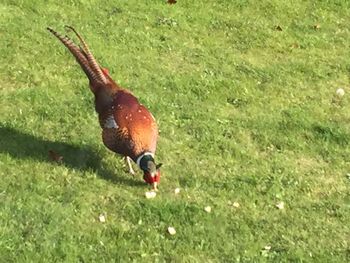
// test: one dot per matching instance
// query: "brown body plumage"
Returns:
(128, 128)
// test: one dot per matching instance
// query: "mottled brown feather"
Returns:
(136, 130)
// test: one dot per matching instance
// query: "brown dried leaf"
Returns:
(172, 2)
(55, 156)
(295, 45)
(278, 28)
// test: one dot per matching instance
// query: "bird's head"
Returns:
(151, 171)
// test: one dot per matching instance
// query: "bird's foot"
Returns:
(131, 170)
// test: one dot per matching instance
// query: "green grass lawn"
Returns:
(244, 94)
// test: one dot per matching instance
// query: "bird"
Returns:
(128, 127)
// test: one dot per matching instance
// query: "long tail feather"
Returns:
(79, 56)
(92, 61)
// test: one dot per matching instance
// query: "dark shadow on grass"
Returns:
(25, 146)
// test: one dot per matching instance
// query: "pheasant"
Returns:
(128, 128)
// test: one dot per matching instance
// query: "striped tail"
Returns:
(92, 61)
(83, 57)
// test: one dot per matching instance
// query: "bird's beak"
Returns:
(155, 186)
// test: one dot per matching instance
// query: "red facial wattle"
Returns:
(150, 180)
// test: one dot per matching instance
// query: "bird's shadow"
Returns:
(25, 146)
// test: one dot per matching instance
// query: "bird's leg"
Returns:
(128, 161)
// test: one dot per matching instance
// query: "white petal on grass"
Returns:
(340, 92)
(177, 191)
(236, 204)
(280, 205)
(207, 209)
(102, 218)
(171, 230)
(267, 248)
(150, 194)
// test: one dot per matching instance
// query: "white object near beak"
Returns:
(150, 195)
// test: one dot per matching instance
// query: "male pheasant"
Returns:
(128, 128)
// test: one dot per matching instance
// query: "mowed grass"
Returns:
(244, 94)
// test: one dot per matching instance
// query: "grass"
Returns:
(247, 114)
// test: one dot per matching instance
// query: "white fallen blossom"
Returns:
(280, 205)
(236, 204)
(267, 247)
(102, 218)
(171, 230)
(207, 209)
(340, 92)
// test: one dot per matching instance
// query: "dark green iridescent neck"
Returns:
(144, 162)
